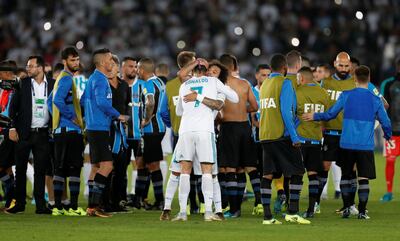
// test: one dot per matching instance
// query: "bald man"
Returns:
(340, 81)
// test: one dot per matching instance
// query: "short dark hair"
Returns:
(39, 60)
(8, 65)
(292, 58)
(262, 66)
(278, 61)
(229, 61)
(97, 52)
(362, 73)
(354, 60)
(147, 64)
(223, 75)
(69, 51)
(126, 58)
(184, 58)
(58, 67)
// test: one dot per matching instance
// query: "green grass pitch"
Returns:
(145, 225)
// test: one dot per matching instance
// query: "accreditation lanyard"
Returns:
(38, 103)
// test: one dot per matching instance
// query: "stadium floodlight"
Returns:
(295, 42)
(180, 44)
(47, 26)
(256, 51)
(238, 31)
(359, 15)
(338, 2)
(79, 45)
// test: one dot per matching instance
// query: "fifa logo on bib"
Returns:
(313, 108)
(334, 94)
(267, 103)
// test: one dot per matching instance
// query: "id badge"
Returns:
(39, 108)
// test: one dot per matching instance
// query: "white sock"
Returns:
(336, 175)
(325, 190)
(217, 195)
(133, 181)
(66, 202)
(207, 189)
(184, 189)
(164, 170)
(86, 173)
(29, 173)
(172, 185)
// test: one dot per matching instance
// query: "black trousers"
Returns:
(38, 143)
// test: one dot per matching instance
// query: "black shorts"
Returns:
(135, 146)
(331, 148)
(7, 153)
(152, 150)
(68, 150)
(236, 145)
(259, 157)
(364, 161)
(99, 145)
(312, 157)
(281, 157)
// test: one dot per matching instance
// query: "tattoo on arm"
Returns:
(149, 107)
(213, 104)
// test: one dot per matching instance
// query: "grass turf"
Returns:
(145, 225)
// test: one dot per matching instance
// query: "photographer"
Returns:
(7, 75)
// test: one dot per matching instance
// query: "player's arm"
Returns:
(374, 90)
(60, 95)
(328, 115)
(384, 120)
(184, 73)
(286, 100)
(254, 120)
(253, 106)
(100, 93)
(229, 93)
(149, 107)
(164, 111)
(210, 103)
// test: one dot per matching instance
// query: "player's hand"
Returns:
(123, 118)
(297, 144)
(190, 97)
(390, 143)
(13, 135)
(202, 61)
(145, 123)
(76, 122)
(308, 116)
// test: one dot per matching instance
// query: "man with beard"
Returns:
(68, 139)
(99, 113)
(340, 81)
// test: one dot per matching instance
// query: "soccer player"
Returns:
(322, 72)
(354, 64)
(99, 113)
(153, 128)
(310, 97)
(236, 146)
(389, 89)
(68, 135)
(294, 63)
(198, 140)
(279, 140)
(262, 73)
(360, 110)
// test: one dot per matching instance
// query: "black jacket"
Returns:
(21, 107)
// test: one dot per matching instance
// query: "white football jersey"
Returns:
(195, 115)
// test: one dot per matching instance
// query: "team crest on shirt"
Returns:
(144, 91)
(376, 92)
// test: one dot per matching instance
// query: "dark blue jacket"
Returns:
(360, 110)
(97, 103)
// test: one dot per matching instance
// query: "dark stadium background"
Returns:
(250, 29)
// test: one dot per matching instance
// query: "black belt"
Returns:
(40, 129)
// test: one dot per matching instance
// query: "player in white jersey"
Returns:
(196, 135)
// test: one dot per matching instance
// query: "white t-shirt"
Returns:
(195, 115)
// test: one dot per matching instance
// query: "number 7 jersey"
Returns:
(195, 115)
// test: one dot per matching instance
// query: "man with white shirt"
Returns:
(196, 135)
(30, 131)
